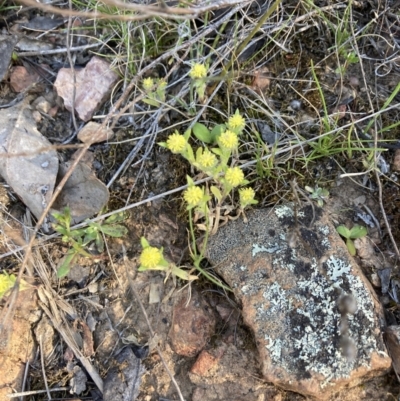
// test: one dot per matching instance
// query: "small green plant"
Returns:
(198, 73)
(152, 258)
(7, 282)
(356, 232)
(80, 239)
(207, 204)
(155, 91)
(318, 194)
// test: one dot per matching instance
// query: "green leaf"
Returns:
(152, 102)
(343, 231)
(358, 231)
(202, 133)
(217, 131)
(65, 266)
(115, 230)
(190, 154)
(116, 218)
(144, 242)
(351, 247)
(199, 152)
(6, 283)
(99, 243)
(187, 134)
(217, 151)
(162, 144)
(216, 192)
(89, 237)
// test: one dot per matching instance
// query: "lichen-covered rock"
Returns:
(316, 321)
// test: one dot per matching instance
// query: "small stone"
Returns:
(36, 116)
(93, 133)
(41, 105)
(192, 325)
(295, 105)
(205, 362)
(21, 79)
(396, 160)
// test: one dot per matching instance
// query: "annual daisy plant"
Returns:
(211, 203)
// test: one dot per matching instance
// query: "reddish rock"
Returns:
(315, 318)
(205, 361)
(21, 78)
(193, 324)
(93, 86)
(93, 133)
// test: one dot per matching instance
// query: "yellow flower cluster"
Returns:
(236, 123)
(148, 83)
(207, 159)
(234, 176)
(198, 71)
(151, 257)
(246, 196)
(193, 195)
(229, 140)
(176, 143)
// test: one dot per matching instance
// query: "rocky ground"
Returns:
(302, 319)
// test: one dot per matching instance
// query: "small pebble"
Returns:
(295, 105)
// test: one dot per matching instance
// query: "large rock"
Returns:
(316, 321)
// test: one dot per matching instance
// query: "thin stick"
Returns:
(34, 392)
(71, 66)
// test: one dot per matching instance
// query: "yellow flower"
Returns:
(207, 159)
(234, 176)
(151, 257)
(176, 143)
(229, 140)
(246, 196)
(148, 83)
(198, 71)
(193, 195)
(161, 84)
(236, 123)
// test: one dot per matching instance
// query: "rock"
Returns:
(93, 85)
(93, 133)
(314, 315)
(396, 160)
(21, 79)
(83, 192)
(44, 334)
(193, 324)
(206, 361)
(123, 379)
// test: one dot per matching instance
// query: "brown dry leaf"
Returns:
(88, 344)
(261, 81)
(32, 174)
